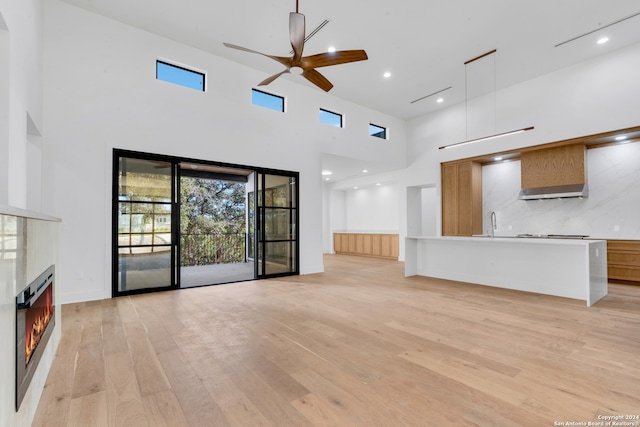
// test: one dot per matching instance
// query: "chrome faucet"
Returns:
(494, 223)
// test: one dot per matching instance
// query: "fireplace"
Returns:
(35, 319)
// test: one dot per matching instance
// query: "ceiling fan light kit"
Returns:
(306, 66)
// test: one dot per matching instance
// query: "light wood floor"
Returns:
(359, 345)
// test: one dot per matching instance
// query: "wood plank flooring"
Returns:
(359, 345)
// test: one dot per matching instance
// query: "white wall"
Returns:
(429, 207)
(614, 199)
(101, 93)
(34, 173)
(421, 210)
(20, 94)
(20, 97)
(594, 96)
(5, 60)
(372, 209)
(373, 206)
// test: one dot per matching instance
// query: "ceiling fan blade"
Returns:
(284, 61)
(317, 79)
(333, 58)
(296, 34)
(272, 78)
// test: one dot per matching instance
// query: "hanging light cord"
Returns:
(495, 96)
(466, 93)
(495, 107)
(466, 105)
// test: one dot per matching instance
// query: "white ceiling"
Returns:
(422, 43)
(343, 168)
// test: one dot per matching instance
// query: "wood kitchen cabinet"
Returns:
(372, 245)
(461, 198)
(623, 260)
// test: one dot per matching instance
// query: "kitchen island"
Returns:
(570, 268)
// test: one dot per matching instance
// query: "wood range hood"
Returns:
(553, 173)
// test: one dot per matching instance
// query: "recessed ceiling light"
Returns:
(378, 184)
(603, 40)
(355, 188)
(439, 100)
(620, 138)
(497, 159)
(387, 75)
(326, 172)
(364, 171)
(327, 179)
(331, 49)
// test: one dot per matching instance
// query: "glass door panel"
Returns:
(145, 248)
(213, 225)
(278, 217)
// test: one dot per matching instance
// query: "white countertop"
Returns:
(511, 240)
(23, 213)
(366, 232)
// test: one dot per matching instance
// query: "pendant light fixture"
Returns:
(466, 112)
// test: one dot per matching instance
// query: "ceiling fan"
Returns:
(306, 66)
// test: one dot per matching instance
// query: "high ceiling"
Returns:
(422, 43)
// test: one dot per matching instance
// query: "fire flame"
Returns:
(34, 335)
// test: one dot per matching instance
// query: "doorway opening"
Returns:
(180, 223)
(214, 232)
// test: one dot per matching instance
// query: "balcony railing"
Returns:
(206, 249)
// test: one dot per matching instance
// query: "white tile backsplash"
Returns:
(613, 176)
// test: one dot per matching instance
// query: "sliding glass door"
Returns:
(278, 251)
(144, 217)
(186, 222)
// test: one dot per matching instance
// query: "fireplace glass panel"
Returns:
(35, 319)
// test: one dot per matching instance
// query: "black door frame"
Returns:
(117, 155)
(261, 218)
(175, 215)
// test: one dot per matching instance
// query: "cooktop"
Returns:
(553, 236)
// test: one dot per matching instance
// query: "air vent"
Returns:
(598, 29)
(557, 192)
(431, 94)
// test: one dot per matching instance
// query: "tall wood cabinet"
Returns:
(461, 198)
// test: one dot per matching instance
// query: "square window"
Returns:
(179, 75)
(330, 118)
(377, 131)
(267, 100)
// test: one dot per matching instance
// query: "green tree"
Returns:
(212, 221)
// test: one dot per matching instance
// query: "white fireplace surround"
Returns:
(29, 244)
